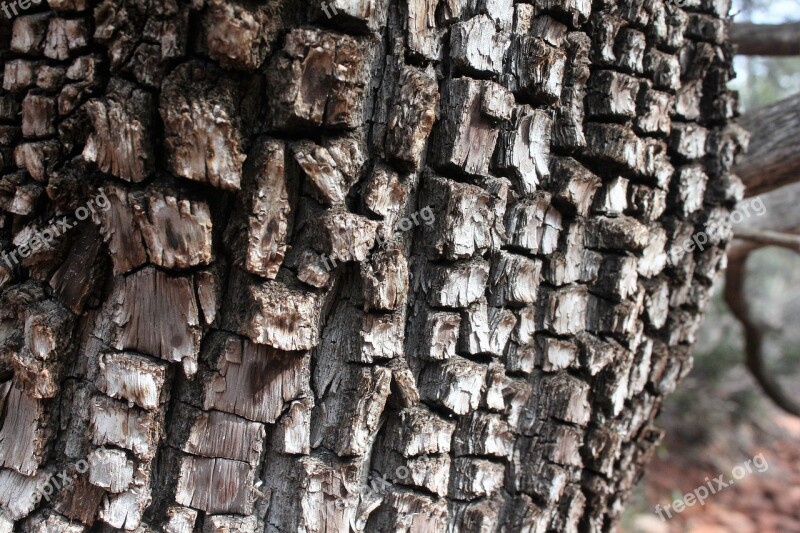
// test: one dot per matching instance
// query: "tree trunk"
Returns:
(361, 265)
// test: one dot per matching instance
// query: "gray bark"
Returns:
(410, 267)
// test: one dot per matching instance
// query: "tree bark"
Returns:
(773, 155)
(766, 39)
(366, 265)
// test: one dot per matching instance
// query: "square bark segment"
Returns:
(318, 80)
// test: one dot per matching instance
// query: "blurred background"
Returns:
(719, 417)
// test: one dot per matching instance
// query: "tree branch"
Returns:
(773, 159)
(777, 223)
(766, 39)
(770, 238)
(735, 277)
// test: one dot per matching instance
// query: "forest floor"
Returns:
(760, 502)
(719, 418)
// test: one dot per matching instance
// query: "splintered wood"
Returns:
(355, 265)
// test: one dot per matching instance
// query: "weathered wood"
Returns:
(358, 15)
(236, 35)
(385, 194)
(429, 473)
(615, 277)
(176, 230)
(18, 75)
(273, 313)
(413, 432)
(38, 116)
(134, 378)
(564, 265)
(180, 520)
(81, 502)
(438, 335)
(514, 280)
(229, 524)
(411, 117)
(524, 149)
(312, 60)
(263, 220)
(458, 285)
(476, 46)
(114, 423)
(424, 37)
(465, 136)
(483, 434)
(249, 380)
(575, 186)
(475, 478)
(562, 311)
(462, 218)
(38, 158)
(142, 313)
(612, 96)
(405, 509)
(126, 510)
(65, 37)
(345, 236)
(199, 109)
(110, 470)
(118, 143)
(164, 28)
(555, 354)
(215, 485)
(485, 330)
(534, 225)
(19, 494)
(28, 33)
(385, 279)
(619, 233)
(39, 364)
(613, 197)
(568, 128)
(328, 182)
(332, 505)
(80, 277)
(292, 434)
(346, 426)
(454, 384)
(380, 338)
(536, 69)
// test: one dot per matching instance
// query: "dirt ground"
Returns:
(763, 502)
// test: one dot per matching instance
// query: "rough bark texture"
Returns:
(372, 265)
